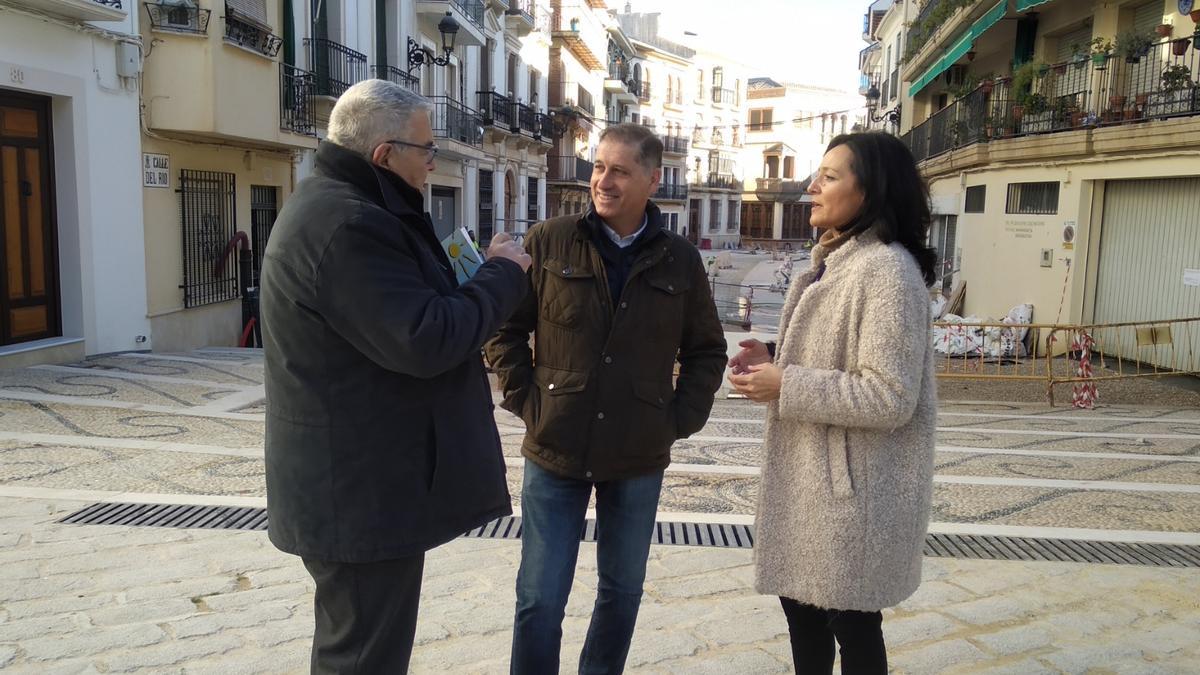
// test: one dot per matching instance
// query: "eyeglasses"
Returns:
(431, 150)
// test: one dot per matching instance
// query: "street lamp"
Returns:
(561, 119)
(418, 55)
(873, 96)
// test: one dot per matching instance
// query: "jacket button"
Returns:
(566, 270)
(600, 416)
(670, 258)
(551, 386)
(608, 359)
(670, 287)
(588, 474)
(660, 399)
(624, 304)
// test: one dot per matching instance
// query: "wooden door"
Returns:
(29, 307)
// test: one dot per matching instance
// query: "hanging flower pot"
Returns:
(987, 86)
(1179, 47)
(1195, 15)
(1018, 111)
(1099, 60)
(1163, 29)
(1116, 102)
(1060, 68)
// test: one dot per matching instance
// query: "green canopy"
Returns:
(1023, 5)
(962, 45)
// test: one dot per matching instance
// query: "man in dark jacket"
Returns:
(615, 301)
(380, 441)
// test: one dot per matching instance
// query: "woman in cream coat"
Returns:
(848, 474)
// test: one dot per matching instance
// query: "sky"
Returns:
(814, 42)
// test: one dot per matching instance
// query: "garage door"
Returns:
(1150, 255)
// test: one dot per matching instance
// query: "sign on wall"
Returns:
(156, 170)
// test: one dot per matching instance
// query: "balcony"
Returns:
(1074, 95)
(248, 33)
(178, 19)
(297, 107)
(569, 169)
(335, 68)
(545, 128)
(575, 26)
(668, 192)
(394, 74)
(774, 189)
(77, 10)
(719, 181)
(644, 91)
(675, 145)
(496, 110)
(573, 95)
(224, 85)
(520, 18)
(722, 96)
(468, 14)
(456, 122)
(527, 120)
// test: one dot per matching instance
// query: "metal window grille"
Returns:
(531, 209)
(297, 109)
(207, 209)
(1032, 198)
(486, 208)
(264, 208)
(976, 194)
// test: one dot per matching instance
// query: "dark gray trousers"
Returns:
(366, 615)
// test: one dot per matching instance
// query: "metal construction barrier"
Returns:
(1056, 354)
(734, 303)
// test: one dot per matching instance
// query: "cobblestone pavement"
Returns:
(187, 429)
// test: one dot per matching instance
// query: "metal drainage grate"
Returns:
(979, 547)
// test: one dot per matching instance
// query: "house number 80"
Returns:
(17, 75)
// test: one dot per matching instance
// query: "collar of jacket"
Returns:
(384, 187)
(831, 258)
(591, 222)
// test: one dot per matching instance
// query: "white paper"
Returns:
(1191, 277)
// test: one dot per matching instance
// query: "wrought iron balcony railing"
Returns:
(245, 33)
(676, 145)
(720, 181)
(671, 192)
(570, 169)
(297, 108)
(335, 68)
(455, 121)
(545, 128)
(526, 119)
(472, 9)
(394, 74)
(726, 96)
(495, 109)
(526, 9)
(177, 18)
(1080, 93)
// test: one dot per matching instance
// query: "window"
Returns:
(207, 210)
(795, 221)
(1032, 198)
(772, 167)
(531, 200)
(264, 207)
(758, 219)
(761, 119)
(246, 26)
(731, 219)
(714, 216)
(789, 167)
(941, 238)
(718, 77)
(486, 208)
(975, 198)
(699, 84)
(673, 222)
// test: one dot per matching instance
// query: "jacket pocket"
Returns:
(669, 295)
(566, 292)
(840, 480)
(653, 426)
(559, 414)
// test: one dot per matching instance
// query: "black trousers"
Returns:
(366, 615)
(813, 631)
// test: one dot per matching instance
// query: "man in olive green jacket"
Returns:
(615, 301)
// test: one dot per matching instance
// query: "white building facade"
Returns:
(70, 170)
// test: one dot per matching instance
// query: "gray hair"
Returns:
(371, 112)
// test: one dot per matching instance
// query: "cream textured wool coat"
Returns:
(848, 476)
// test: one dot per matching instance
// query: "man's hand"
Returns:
(503, 246)
(753, 353)
(761, 385)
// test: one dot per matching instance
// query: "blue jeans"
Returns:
(552, 516)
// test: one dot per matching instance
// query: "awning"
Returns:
(1023, 5)
(961, 46)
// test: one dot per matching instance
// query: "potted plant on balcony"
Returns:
(1176, 94)
(1079, 55)
(1163, 30)
(1101, 48)
(1133, 46)
(1179, 47)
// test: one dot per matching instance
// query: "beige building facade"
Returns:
(1072, 180)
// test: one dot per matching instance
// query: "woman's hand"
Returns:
(761, 384)
(753, 353)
